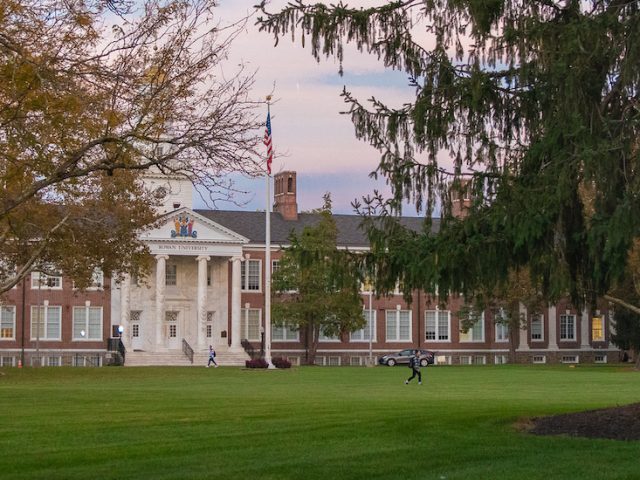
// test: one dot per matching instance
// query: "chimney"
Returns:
(284, 198)
(460, 198)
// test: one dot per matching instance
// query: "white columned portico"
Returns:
(236, 304)
(125, 309)
(202, 298)
(553, 337)
(161, 266)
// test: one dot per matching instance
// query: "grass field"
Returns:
(306, 423)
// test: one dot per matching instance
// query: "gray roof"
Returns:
(252, 226)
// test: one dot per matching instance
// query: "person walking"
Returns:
(212, 357)
(414, 364)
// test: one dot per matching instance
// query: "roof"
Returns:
(252, 226)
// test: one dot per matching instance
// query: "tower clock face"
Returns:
(160, 193)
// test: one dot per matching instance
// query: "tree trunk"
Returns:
(307, 335)
(313, 343)
(636, 357)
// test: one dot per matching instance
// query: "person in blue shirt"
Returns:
(212, 357)
(414, 363)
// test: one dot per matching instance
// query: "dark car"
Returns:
(403, 357)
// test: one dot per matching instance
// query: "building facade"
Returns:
(207, 288)
(46, 321)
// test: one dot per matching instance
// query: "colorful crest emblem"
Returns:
(184, 227)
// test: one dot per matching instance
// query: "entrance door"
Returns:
(172, 330)
(136, 336)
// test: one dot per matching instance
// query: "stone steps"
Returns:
(178, 359)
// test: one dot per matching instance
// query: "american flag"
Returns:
(267, 142)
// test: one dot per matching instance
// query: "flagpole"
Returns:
(267, 255)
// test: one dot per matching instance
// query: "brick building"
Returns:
(207, 288)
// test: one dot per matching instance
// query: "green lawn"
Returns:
(306, 423)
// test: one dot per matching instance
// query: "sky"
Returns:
(309, 134)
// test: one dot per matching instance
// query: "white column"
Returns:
(125, 309)
(202, 299)
(610, 325)
(236, 305)
(523, 344)
(161, 266)
(584, 330)
(553, 338)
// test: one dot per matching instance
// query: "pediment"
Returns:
(184, 225)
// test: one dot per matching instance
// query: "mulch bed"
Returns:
(618, 423)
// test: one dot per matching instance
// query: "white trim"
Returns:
(244, 279)
(397, 338)
(575, 327)
(540, 317)
(45, 308)
(437, 326)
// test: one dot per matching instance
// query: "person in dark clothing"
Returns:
(414, 363)
(212, 357)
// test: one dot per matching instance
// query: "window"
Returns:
(322, 337)
(465, 360)
(501, 359)
(41, 281)
(443, 360)
(171, 317)
(45, 322)
(479, 360)
(7, 361)
(356, 361)
(7, 323)
(570, 359)
(171, 275)
(502, 332)
(333, 361)
(600, 358)
(368, 331)
(54, 361)
(398, 325)
(567, 327)
(437, 325)
(284, 333)
(250, 275)
(134, 315)
(537, 328)
(135, 330)
(475, 333)
(251, 324)
(97, 280)
(209, 325)
(597, 329)
(87, 323)
(275, 265)
(539, 359)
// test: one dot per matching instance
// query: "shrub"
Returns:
(281, 362)
(256, 363)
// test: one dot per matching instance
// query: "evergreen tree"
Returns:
(315, 289)
(534, 108)
(627, 333)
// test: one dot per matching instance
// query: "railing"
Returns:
(187, 350)
(115, 345)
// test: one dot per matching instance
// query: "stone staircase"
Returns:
(224, 358)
